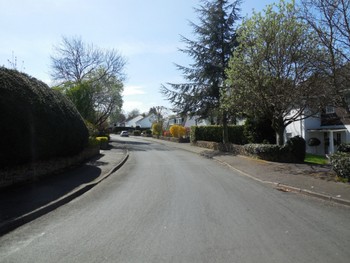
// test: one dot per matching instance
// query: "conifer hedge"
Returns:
(36, 122)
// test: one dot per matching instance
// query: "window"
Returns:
(330, 110)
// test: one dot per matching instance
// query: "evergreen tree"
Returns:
(211, 50)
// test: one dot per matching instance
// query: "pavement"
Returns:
(24, 203)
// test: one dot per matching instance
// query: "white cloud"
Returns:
(131, 105)
(133, 90)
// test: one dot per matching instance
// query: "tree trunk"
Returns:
(224, 128)
(279, 127)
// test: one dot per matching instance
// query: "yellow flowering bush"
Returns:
(177, 131)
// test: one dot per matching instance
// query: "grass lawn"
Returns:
(315, 159)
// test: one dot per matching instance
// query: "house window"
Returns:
(330, 110)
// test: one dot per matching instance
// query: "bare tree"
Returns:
(75, 61)
(330, 19)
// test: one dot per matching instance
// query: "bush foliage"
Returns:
(157, 129)
(214, 133)
(42, 122)
(177, 131)
(341, 161)
(292, 152)
(341, 164)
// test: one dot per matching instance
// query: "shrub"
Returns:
(269, 152)
(297, 147)
(102, 139)
(213, 133)
(344, 147)
(259, 130)
(292, 152)
(177, 131)
(341, 164)
(157, 129)
(166, 134)
(44, 123)
(93, 141)
(137, 133)
(103, 142)
(93, 131)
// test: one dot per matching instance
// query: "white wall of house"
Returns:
(147, 121)
(194, 121)
(133, 122)
(311, 128)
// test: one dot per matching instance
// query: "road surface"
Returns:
(169, 205)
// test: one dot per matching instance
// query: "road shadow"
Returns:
(19, 200)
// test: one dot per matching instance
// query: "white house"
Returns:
(331, 128)
(146, 122)
(186, 122)
(133, 122)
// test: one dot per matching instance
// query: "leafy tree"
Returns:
(90, 77)
(330, 20)
(259, 130)
(272, 72)
(211, 50)
(107, 98)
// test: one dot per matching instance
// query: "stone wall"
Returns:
(33, 171)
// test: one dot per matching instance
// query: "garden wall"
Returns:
(34, 171)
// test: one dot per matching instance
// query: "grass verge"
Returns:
(315, 159)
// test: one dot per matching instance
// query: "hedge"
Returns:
(214, 133)
(340, 161)
(41, 122)
(292, 152)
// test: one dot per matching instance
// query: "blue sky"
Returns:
(146, 33)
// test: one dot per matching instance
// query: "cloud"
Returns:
(133, 90)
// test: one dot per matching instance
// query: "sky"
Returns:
(145, 32)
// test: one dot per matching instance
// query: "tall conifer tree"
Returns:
(215, 41)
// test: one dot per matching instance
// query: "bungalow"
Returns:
(146, 122)
(186, 122)
(330, 128)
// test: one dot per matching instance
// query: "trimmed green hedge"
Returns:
(40, 122)
(340, 161)
(213, 133)
(292, 152)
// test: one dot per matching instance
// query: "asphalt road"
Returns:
(169, 205)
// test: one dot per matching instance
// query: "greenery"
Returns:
(344, 147)
(259, 130)
(93, 141)
(43, 122)
(177, 131)
(91, 78)
(102, 139)
(137, 133)
(292, 152)
(315, 159)
(341, 164)
(297, 146)
(205, 78)
(214, 133)
(267, 72)
(157, 129)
